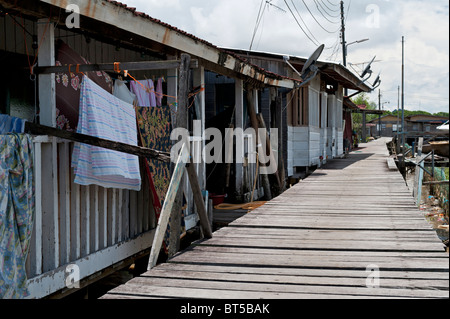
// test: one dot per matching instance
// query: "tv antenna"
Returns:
(377, 82)
(310, 68)
(367, 73)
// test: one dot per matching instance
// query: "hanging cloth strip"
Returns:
(104, 116)
(145, 92)
(17, 210)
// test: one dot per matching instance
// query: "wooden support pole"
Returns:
(254, 120)
(181, 122)
(273, 161)
(418, 183)
(47, 84)
(168, 207)
(239, 123)
(279, 126)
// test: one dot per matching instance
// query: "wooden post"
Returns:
(168, 207)
(279, 126)
(199, 81)
(273, 161)
(47, 86)
(364, 127)
(239, 123)
(418, 183)
(181, 122)
(254, 120)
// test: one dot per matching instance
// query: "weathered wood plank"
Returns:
(319, 239)
(168, 206)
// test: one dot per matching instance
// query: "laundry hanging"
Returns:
(145, 92)
(155, 127)
(17, 211)
(105, 116)
(68, 86)
(122, 92)
(9, 124)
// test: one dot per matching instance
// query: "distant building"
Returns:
(419, 125)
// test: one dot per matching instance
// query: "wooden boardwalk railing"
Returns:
(351, 230)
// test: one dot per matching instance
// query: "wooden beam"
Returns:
(94, 141)
(129, 66)
(167, 209)
(436, 183)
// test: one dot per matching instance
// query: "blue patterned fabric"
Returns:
(9, 124)
(17, 207)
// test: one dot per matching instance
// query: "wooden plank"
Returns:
(267, 289)
(360, 281)
(122, 66)
(94, 141)
(168, 206)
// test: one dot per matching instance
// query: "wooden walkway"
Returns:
(321, 239)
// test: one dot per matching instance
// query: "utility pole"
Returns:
(344, 43)
(403, 99)
(398, 121)
(380, 130)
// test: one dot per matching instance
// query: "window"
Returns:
(314, 107)
(297, 107)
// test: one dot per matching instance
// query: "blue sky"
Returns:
(425, 25)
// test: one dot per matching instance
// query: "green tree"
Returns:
(363, 99)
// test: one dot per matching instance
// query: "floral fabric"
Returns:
(155, 129)
(17, 209)
(68, 86)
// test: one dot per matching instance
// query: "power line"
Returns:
(337, 10)
(332, 32)
(318, 8)
(306, 25)
(333, 4)
(285, 1)
(258, 21)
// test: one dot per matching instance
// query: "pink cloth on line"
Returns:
(145, 95)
